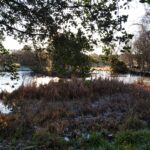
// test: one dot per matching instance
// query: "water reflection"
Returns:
(126, 78)
(4, 109)
(6, 84)
(25, 78)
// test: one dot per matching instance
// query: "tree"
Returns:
(46, 19)
(2, 49)
(6, 61)
(27, 48)
(145, 1)
(68, 55)
(128, 58)
(142, 44)
(111, 58)
(142, 49)
(95, 58)
(117, 65)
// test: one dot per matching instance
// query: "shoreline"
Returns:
(73, 113)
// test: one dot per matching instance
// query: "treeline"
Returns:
(38, 61)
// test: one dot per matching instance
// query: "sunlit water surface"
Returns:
(26, 78)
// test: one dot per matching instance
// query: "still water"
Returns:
(25, 78)
(126, 78)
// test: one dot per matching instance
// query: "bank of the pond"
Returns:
(77, 114)
(26, 77)
(140, 73)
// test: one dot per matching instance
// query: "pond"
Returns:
(26, 77)
(126, 78)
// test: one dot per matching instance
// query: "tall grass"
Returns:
(69, 90)
(75, 106)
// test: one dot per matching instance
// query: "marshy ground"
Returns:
(77, 114)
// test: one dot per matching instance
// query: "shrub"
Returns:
(118, 66)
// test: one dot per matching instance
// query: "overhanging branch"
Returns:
(21, 31)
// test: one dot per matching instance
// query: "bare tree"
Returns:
(142, 48)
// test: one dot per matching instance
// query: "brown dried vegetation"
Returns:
(68, 106)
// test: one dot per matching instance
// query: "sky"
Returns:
(135, 12)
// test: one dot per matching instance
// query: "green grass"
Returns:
(134, 139)
(124, 140)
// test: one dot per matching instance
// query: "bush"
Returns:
(118, 66)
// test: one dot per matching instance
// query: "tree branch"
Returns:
(18, 30)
